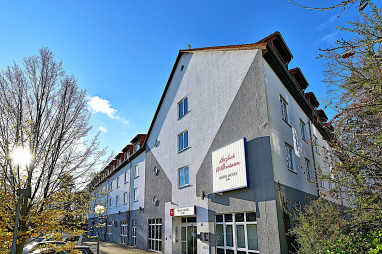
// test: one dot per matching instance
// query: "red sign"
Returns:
(171, 212)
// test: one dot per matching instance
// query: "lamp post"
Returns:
(99, 209)
(22, 157)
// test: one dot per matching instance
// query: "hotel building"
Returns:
(234, 140)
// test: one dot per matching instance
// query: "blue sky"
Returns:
(122, 52)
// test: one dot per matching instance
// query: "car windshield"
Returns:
(46, 245)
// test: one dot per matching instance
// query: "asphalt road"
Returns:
(112, 248)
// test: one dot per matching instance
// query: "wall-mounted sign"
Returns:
(229, 169)
(185, 211)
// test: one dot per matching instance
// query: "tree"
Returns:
(354, 72)
(42, 109)
(343, 4)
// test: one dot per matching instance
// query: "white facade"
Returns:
(215, 97)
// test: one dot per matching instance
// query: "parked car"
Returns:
(78, 249)
(33, 242)
(77, 239)
(44, 245)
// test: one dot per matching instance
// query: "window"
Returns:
(308, 171)
(284, 109)
(182, 107)
(135, 194)
(289, 157)
(111, 186)
(303, 129)
(109, 230)
(117, 200)
(126, 177)
(155, 235)
(315, 143)
(236, 233)
(125, 232)
(110, 202)
(136, 171)
(183, 177)
(182, 141)
(134, 232)
(118, 182)
(136, 147)
(125, 197)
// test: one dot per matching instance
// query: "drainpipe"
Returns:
(130, 220)
(314, 159)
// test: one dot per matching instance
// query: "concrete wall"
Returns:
(283, 132)
(159, 186)
(246, 117)
(210, 81)
(138, 182)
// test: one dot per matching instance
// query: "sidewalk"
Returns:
(112, 248)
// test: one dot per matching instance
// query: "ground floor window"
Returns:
(109, 228)
(155, 234)
(134, 233)
(236, 233)
(125, 232)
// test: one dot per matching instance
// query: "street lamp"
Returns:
(22, 157)
(99, 209)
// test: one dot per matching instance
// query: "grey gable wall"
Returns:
(247, 117)
(159, 186)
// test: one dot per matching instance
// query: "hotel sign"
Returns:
(185, 211)
(229, 167)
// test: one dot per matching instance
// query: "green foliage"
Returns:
(352, 221)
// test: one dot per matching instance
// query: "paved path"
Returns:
(112, 248)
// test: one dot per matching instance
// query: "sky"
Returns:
(122, 52)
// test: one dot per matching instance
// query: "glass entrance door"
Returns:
(189, 239)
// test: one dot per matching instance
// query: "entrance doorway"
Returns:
(189, 236)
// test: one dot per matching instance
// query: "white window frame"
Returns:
(234, 225)
(117, 201)
(136, 171)
(284, 109)
(180, 105)
(184, 175)
(126, 175)
(134, 232)
(315, 144)
(109, 228)
(289, 158)
(156, 229)
(110, 202)
(135, 194)
(125, 198)
(303, 129)
(124, 232)
(181, 136)
(118, 182)
(309, 172)
(111, 186)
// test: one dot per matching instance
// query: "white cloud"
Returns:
(327, 23)
(99, 105)
(331, 37)
(103, 129)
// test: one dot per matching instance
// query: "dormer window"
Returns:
(137, 146)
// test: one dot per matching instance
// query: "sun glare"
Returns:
(21, 156)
